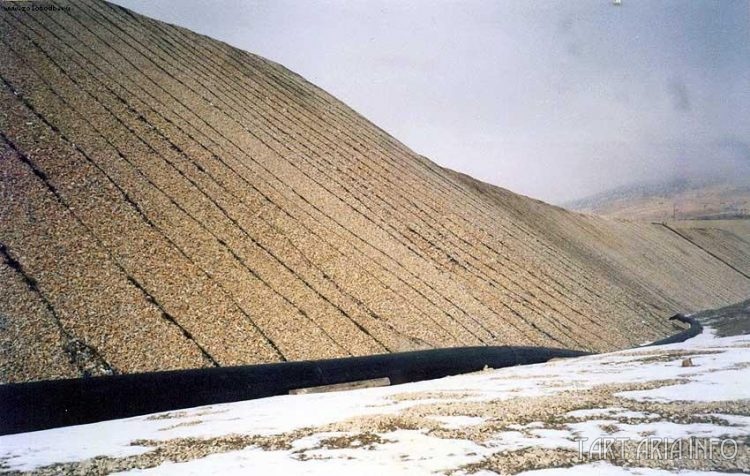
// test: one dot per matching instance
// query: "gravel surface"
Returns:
(171, 202)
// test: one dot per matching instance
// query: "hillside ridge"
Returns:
(680, 199)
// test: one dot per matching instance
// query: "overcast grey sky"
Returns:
(552, 99)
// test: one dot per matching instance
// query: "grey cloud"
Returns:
(734, 149)
(679, 94)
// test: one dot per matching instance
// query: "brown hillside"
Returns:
(170, 202)
(707, 199)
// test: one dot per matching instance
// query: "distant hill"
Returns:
(679, 199)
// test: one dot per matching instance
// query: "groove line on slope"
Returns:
(704, 250)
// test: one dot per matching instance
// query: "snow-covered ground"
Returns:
(540, 419)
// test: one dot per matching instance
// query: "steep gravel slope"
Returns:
(170, 202)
